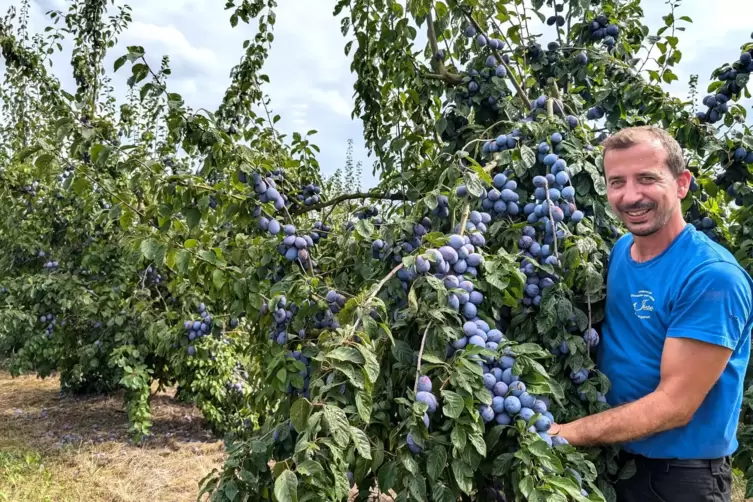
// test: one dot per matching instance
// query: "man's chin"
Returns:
(642, 229)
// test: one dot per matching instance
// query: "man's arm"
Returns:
(689, 369)
(705, 326)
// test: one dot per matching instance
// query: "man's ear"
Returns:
(683, 183)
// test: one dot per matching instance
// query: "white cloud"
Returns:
(311, 82)
(167, 39)
(338, 103)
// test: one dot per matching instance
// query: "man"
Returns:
(676, 335)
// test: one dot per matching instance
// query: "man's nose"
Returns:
(631, 194)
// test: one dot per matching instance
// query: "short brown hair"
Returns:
(631, 136)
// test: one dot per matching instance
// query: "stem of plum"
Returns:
(378, 287)
(420, 355)
(588, 300)
(551, 217)
(464, 218)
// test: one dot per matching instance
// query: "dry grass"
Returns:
(63, 449)
(738, 489)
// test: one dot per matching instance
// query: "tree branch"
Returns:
(438, 65)
(350, 196)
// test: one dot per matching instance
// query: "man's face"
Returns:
(641, 189)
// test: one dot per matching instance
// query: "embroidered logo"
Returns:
(643, 304)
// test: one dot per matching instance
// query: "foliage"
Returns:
(177, 246)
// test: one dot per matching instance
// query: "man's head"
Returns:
(646, 178)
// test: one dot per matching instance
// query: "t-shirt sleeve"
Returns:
(713, 306)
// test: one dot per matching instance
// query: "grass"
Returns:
(738, 488)
(71, 449)
(63, 449)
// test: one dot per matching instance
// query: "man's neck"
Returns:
(651, 246)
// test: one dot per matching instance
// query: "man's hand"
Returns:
(680, 393)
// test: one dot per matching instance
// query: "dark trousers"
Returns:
(676, 481)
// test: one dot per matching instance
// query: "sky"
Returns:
(311, 83)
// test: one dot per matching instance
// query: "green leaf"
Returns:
(483, 175)
(478, 442)
(43, 161)
(410, 464)
(371, 364)
(453, 404)
(526, 486)
(436, 461)
(337, 422)
(354, 376)
(551, 462)
(463, 475)
(364, 228)
(153, 250)
(386, 477)
(208, 256)
(458, 437)
(309, 468)
(430, 358)
(193, 217)
(231, 489)
(594, 281)
(527, 158)
(364, 405)
(119, 62)
(628, 470)
(442, 493)
(413, 300)
(564, 309)
(183, 261)
(361, 440)
(492, 436)
(286, 487)
(417, 487)
(377, 455)
(403, 353)
(218, 278)
(472, 181)
(502, 464)
(348, 354)
(567, 484)
(299, 414)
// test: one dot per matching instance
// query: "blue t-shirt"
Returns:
(693, 289)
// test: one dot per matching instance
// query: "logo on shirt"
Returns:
(643, 304)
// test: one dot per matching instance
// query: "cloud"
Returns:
(338, 103)
(196, 61)
(311, 82)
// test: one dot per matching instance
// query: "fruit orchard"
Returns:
(416, 339)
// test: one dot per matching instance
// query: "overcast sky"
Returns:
(311, 83)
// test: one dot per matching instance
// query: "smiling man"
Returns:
(676, 334)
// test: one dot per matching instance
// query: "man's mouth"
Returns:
(638, 213)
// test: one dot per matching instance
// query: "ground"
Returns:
(62, 449)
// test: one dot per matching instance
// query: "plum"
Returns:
(429, 399)
(512, 405)
(424, 383)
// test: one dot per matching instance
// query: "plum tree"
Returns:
(419, 337)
